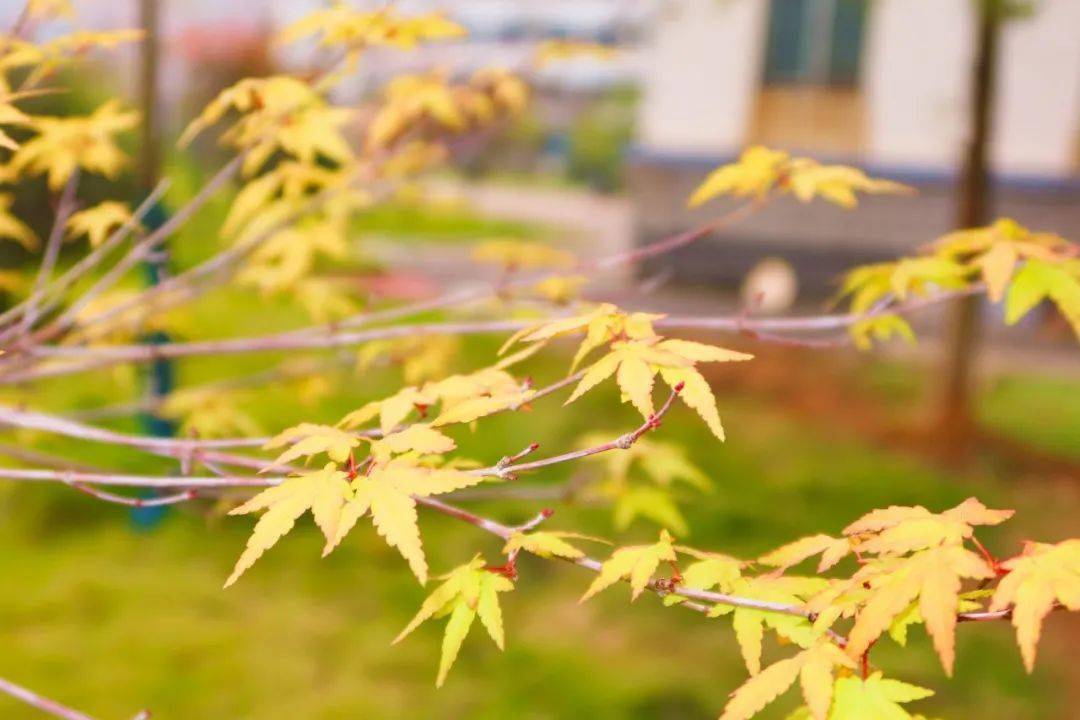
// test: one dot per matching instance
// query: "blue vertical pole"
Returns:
(158, 374)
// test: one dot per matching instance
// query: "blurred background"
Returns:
(976, 103)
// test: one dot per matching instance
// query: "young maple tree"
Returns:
(305, 166)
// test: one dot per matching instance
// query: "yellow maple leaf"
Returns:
(97, 222)
(880, 328)
(290, 178)
(390, 411)
(277, 113)
(835, 183)
(268, 97)
(210, 413)
(309, 439)
(709, 571)
(342, 25)
(660, 463)
(421, 358)
(634, 364)
(410, 99)
(872, 698)
(750, 623)
(755, 173)
(41, 9)
(469, 591)
(507, 91)
(560, 289)
(897, 530)
(465, 398)
(323, 492)
(12, 227)
(10, 115)
(64, 144)
(934, 577)
(637, 354)
(759, 170)
(520, 254)
(831, 549)
(422, 439)
(1044, 574)
(813, 668)
(602, 324)
(550, 51)
(547, 544)
(996, 249)
(636, 564)
(388, 492)
(762, 689)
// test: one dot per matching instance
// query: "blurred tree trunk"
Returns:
(150, 148)
(956, 418)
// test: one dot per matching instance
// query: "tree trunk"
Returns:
(956, 419)
(150, 147)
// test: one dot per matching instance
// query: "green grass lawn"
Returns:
(110, 619)
(446, 222)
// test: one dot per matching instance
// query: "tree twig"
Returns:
(41, 702)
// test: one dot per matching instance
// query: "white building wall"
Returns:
(702, 65)
(915, 65)
(700, 73)
(1037, 114)
(916, 80)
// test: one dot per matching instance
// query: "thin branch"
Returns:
(985, 615)
(141, 249)
(90, 260)
(40, 702)
(111, 354)
(136, 502)
(62, 426)
(89, 358)
(623, 442)
(64, 209)
(608, 262)
(661, 587)
(188, 449)
(141, 481)
(681, 240)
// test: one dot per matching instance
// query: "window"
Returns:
(815, 42)
(810, 98)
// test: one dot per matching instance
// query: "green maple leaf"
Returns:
(1038, 281)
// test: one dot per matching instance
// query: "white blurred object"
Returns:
(770, 288)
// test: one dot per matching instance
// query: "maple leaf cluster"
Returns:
(1018, 267)
(635, 356)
